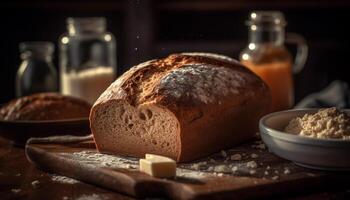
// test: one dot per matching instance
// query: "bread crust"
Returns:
(44, 106)
(209, 121)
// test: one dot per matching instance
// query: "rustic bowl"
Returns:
(323, 154)
(20, 131)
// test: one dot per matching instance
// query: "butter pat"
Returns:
(158, 166)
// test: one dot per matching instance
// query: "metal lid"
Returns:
(37, 47)
(266, 18)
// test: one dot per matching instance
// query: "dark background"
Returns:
(147, 29)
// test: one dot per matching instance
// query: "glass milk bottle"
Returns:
(36, 73)
(87, 58)
(267, 56)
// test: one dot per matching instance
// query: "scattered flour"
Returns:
(252, 172)
(63, 179)
(103, 160)
(222, 169)
(181, 172)
(253, 155)
(286, 171)
(91, 197)
(224, 163)
(16, 190)
(252, 164)
(223, 153)
(35, 183)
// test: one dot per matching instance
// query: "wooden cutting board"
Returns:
(206, 180)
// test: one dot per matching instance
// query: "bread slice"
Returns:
(129, 128)
(184, 107)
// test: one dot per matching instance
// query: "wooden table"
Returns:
(19, 179)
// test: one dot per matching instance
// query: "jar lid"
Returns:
(37, 47)
(266, 18)
(77, 25)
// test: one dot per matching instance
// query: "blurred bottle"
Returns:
(87, 58)
(267, 56)
(36, 72)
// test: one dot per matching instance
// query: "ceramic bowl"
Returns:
(324, 154)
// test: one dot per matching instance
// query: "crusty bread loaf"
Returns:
(184, 106)
(44, 106)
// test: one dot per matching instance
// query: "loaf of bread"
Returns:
(44, 106)
(184, 107)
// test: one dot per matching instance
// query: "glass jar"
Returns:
(36, 73)
(267, 56)
(87, 58)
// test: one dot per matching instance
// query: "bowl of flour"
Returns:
(312, 138)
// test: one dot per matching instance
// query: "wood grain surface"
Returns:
(241, 184)
(17, 176)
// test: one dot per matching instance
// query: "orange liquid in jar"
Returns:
(278, 76)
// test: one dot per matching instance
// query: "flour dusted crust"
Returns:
(200, 103)
(44, 106)
(202, 83)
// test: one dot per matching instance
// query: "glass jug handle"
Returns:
(302, 50)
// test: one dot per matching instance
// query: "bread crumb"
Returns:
(16, 190)
(252, 172)
(199, 166)
(64, 198)
(63, 179)
(223, 153)
(90, 197)
(276, 171)
(266, 173)
(286, 171)
(19, 174)
(234, 168)
(35, 183)
(236, 157)
(252, 164)
(260, 146)
(222, 169)
(275, 177)
(195, 166)
(220, 174)
(253, 155)
(268, 167)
